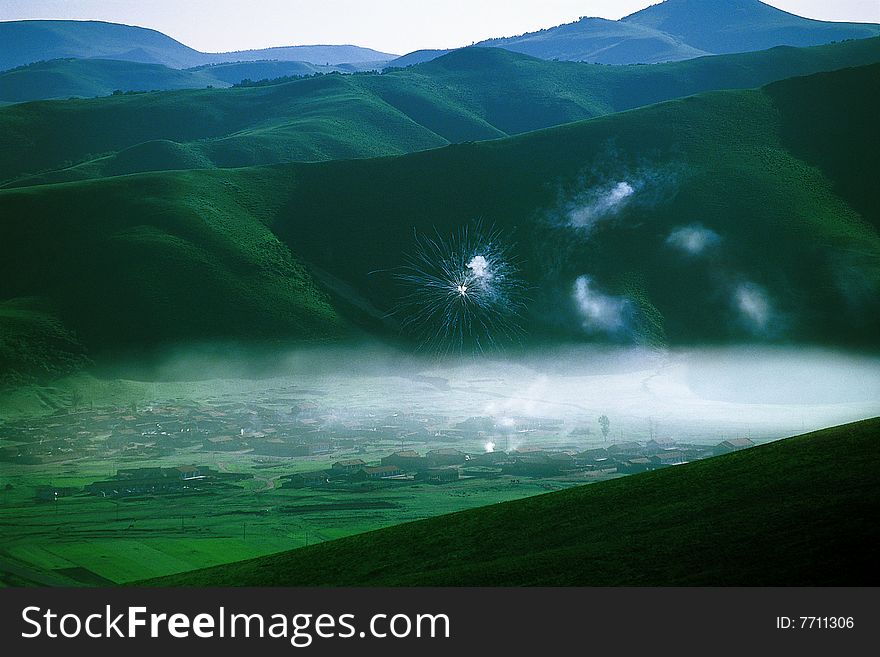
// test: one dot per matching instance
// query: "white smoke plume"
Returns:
(693, 239)
(609, 188)
(600, 204)
(754, 307)
(599, 312)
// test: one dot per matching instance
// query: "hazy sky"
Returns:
(397, 26)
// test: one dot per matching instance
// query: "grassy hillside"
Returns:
(797, 512)
(471, 94)
(87, 78)
(131, 263)
(231, 253)
(730, 163)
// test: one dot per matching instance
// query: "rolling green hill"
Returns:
(87, 78)
(235, 254)
(470, 94)
(26, 42)
(128, 263)
(796, 512)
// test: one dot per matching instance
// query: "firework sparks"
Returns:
(464, 291)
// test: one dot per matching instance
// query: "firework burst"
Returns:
(464, 292)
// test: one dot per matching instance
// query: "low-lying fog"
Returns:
(700, 395)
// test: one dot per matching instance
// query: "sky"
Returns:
(393, 26)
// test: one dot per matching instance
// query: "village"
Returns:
(302, 432)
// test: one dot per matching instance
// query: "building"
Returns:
(407, 460)
(348, 466)
(438, 475)
(668, 457)
(635, 466)
(734, 445)
(445, 456)
(377, 472)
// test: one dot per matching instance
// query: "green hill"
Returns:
(131, 262)
(87, 78)
(26, 42)
(470, 94)
(235, 254)
(796, 512)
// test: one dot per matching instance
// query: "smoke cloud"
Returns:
(693, 239)
(600, 313)
(610, 189)
(600, 204)
(754, 307)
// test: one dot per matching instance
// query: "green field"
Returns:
(798, 512)
(123, 540)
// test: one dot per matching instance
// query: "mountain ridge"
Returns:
(26, 42)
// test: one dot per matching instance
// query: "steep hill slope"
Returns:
(689, 252)
(797, 512)
(470, 94)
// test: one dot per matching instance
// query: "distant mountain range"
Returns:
(671, 31)
(26, 42)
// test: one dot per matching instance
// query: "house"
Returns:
(348, 466)
(406, 459)
(438, 475)
(445, 456)
(733, 445)
(659, 444)
(668, 457)
(625, 448)
(187, 472)
(377, 472)
(635, 466)
(488, 458)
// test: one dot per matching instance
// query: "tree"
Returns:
(605, 423)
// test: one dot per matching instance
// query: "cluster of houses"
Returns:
(148, 481)
(449, 464)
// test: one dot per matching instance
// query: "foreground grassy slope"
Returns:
(240, 254)
(797, 512)
(470, 94)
